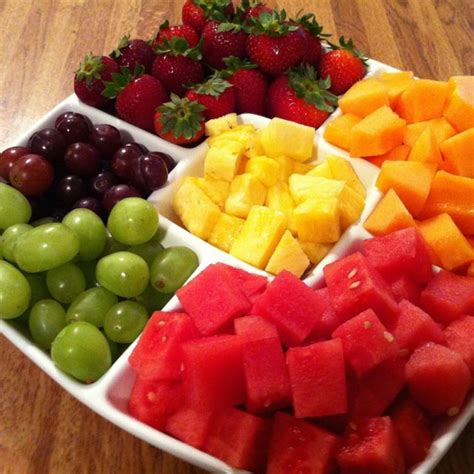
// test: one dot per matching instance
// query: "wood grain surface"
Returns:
(42, 428)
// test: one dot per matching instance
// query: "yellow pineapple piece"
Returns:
(283, 137)
(222, 162)
(322, 171)
(304, 187)
(245, 191)
(315, 251)
(195, 209)
(286, 167)
(351, 205)
(263, 168)
(222, 124)
(289, 256)
(216, 189)
(302, 168)
(254, 146)
(240, 134)
(279, 198)
(225, 231)
(341, 169)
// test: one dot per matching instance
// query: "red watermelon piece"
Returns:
(460, 338)
(158, 353)
(213, 299)
(190, 426)
(318, 379)
(366, 342)
(448, 296)
(291, 306)
(371, 445)
(298, 446)
(438, 379)
(404, 288)
(403, 252)
(328, 320)
(355, 286)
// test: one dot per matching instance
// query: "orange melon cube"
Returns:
(426, 148)
(389, 215)
(448, 245)
(470, 270)
(459, 108)
(423, 99)
(338, 130)
(377, 133)
(395, 83)
(411, 180)
(442, 130)
(364, 97)
(458, 153)
(399, 153)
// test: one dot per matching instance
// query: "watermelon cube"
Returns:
(213, 373)
(355, 286)
(213, 299)
(371, 445)
(404, 288)
(366, 342)
(190, 426)
(329, 319)
(158, 353)
(448, 296)
(438, 379)
(299, 446)
(403, 252)
(460, 338)
(266, 374)
(415, 328)
(291, 306)
(318, 379)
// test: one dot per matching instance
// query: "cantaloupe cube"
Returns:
(288, 256)
(323, 170)
(423, 99)
(240, 134)
(426, 148)
(377, 133)
(459, 108)
(441, 128)
(364, 97)
(259, 236)
(264, 168)
(337, 131)
(470, 270)
(222, 162)
(395, 83)
(399, 153)
(283, 137)
(222, 124)
(279, 198)
(458, 153)
(315, 251)
(342, 170)
(304, 187)
(302, 168)
(449, 246)
(217, 190)
(389, 215)
(286, 167)
(411, 180)
(245, 191)
(225, 231)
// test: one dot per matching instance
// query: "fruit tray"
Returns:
(109, 395)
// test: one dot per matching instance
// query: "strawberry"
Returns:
(137, 96)
(274, 45)
(130, 53)
(89, 79)
(216, 94)
(254, 9)
(180, 121)
(300, 97)
(344, 64)
(249, 83)
(195, 13)
(312, 33)
(180, 31)
(177, 65)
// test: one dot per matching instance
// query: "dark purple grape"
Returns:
(41, 207)
(49, 143)
(59, 213)
(106, 139)
(169, 160)
(90, 203)
(124, 158)
(70, 189)
(3, 180)
(82, 159)
(74, 127)
(101, 183)
(149, 172)
(117, 193)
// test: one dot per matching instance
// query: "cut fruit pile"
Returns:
(267, 375)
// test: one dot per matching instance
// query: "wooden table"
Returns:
(42, 428)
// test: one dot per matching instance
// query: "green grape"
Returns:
(115, 349)
(65, 282)
(15, 292)
(9, 238)
(112, 246)
(149, 250)
(123, 273)
(39, 289)
(153, 300)
(44, 220)
(133, 221)
(171, 268)
(91, 232)
(14, 207)
(88, 268)
(91, 306)
(125, 321)
(46, 321)
(82, 351)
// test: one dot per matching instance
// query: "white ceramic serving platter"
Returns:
(108, 396)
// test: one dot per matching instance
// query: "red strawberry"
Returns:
(137, 96)
(254, 11)
(312, 33)
(88, 80)
(300, 97)
(249, 83)
(195, 13)
(186, 32)
(216, 94)
(130, 53)
(344, 65)
(273, 44)
(180, 121)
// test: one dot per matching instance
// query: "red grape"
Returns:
(49, 143)
(74, 127)
(8, 158)
(106, 139)
(149, 172)
(32, 175)
(90, 203)
(70, 188)
(124, 158)
(117, 193)
(82, 159)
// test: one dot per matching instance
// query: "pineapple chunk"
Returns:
(318, 220)
(225, 231)
(259, 237)
(217, 190)
(195, 209)
(315, 251)
(286, 167)
(304, 187)
(263, 168)
(302, 168)
(222, 162)
(279, 198)
(222, 124)
(245, 191)
(242, 165)
(254, 145)
(351, 205)
(283, 137)
(289, 256)
(240, 134)
(321, 171)
(341, 169)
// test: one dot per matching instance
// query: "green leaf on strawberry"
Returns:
(90, 69)
(272, 24)
(234, 64)
(348, 45)
(308, 21)
(123, 43)
(120, 80)
(214, 86)
(178, 46)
